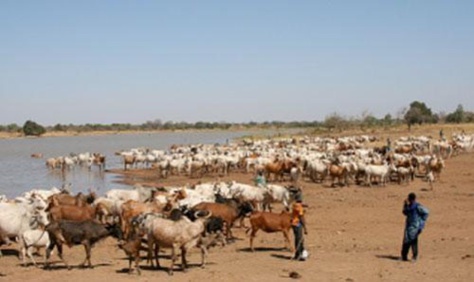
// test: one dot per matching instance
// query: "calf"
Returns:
(71, 233)
(270, 222)
(33, 238)
(132, 248)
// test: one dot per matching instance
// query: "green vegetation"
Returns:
(417, 113)
(31, 128)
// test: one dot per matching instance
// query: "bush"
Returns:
(31, 128)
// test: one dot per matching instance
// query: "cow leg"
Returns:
(23, 255)
(150, 251)
(87, 248)
(203, 256)
(30, 255)
(60, 255)
(157, 250)
(137, 263)
(129, 264)
(252, 236)
(184, 263)
(286, 235)
(173, 259)
(48, 255)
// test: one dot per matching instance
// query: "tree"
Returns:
(419, 113)
(458, 116)
(334, 121)
(31, 128)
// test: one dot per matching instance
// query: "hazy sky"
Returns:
(237, 61)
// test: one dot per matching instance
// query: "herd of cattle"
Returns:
(68, 162)
(203, 215)
(344, 160)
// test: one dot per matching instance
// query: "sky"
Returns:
(235, 61)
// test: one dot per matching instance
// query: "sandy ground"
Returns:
(355, 234)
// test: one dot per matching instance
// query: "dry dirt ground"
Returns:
(355, 234)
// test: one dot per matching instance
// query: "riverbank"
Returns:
(258, 132)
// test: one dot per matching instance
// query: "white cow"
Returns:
(16, 218)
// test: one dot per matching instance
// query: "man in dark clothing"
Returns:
(416, 216)
(299, 226)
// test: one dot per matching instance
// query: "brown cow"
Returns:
(131, 209)
(228, 213)
(338, 172)
(128, 160)
(99, 160)
(80, 199)
(279, 168)
(270, 222)
(73, 213)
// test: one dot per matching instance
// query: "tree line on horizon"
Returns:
(417, 113)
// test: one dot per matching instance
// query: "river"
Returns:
(20, 172)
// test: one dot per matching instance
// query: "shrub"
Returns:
(31, 128)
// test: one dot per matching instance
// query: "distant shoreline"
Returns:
(433, 128)
(9, 135)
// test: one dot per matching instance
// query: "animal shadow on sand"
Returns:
(389, 257)
(10, 252)
(59, 265)
(261, 249)
(280, 256)
(163, 267)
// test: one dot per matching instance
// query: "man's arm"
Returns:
(303, 223)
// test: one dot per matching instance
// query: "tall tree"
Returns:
(419, 113)
(458, 116)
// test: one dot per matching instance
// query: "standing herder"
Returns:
(416, 216)
(389, 144)
(299, 226)
(260, 180)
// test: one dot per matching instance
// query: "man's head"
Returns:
(299, 197)
(411, 197)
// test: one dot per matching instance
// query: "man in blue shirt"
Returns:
(416, 216)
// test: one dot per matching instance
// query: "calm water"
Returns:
(19, 172)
